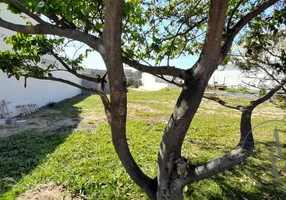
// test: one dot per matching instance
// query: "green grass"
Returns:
(85, 161)
(243, 90)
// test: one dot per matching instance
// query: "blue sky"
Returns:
(95, 61)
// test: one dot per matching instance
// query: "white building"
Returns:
(229, 76)
(153, 83)
(233, 77)
(39, 92)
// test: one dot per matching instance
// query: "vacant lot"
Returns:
(66, 149)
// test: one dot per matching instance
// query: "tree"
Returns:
(135, 32)
(261, 53)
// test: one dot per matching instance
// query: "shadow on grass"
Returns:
(250, 181)
(23, 152)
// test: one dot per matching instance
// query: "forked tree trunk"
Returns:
(172, 187)
(170, 181)
(196, 80)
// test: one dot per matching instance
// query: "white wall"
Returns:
(38, 92)
(233, 77)
(148, 83)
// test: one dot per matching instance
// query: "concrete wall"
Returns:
(231, 78)
(149, 83)
(235, 78)
(38, 92)
(153, 83)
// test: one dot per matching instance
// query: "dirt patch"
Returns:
(211, 107)
(39, 122)
(51, 121)
(139, 107)
(49, 192)
(270, 112)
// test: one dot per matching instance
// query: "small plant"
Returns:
(133, 82)
(262, 92)
(91, 122)
(280, 102)
(51, 104)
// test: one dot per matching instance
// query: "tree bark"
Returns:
(243, 149)
(236, 156)
(196, 80)
(169, 183)
(113, 60)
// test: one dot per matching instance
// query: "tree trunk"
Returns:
(113, 60)
(196, 80)
(173, 192)
(171, 185)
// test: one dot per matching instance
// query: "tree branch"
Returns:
(182, 34)
(240, 24)
(223, 103)
(88, 78)
(113, 59)
(161, 70)
(97, 90)
(270, 51)
(190, 97)
(232, 14)
(212, 45)
(269, 74)
(26, 11)
(239, 154)
(172, 81)
(65, 81)
(46, 28)
(186, 31)
(268, 95)
(236, 156)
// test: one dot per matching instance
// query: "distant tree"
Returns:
(131, 82)
(261, 53)
(134, 79)
(135, 32)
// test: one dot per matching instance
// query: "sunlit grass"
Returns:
(86, 162)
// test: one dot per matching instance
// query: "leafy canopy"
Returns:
(156, 31)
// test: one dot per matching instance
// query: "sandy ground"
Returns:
(49, 192)
(42, 122)
(36, 123)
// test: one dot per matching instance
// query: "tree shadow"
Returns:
(23, 152)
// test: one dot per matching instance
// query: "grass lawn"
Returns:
(85, 162)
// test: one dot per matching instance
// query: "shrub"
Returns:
(262, 92)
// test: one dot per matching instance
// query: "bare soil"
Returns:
(45, 121)
(49, 192)
(37, 123)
